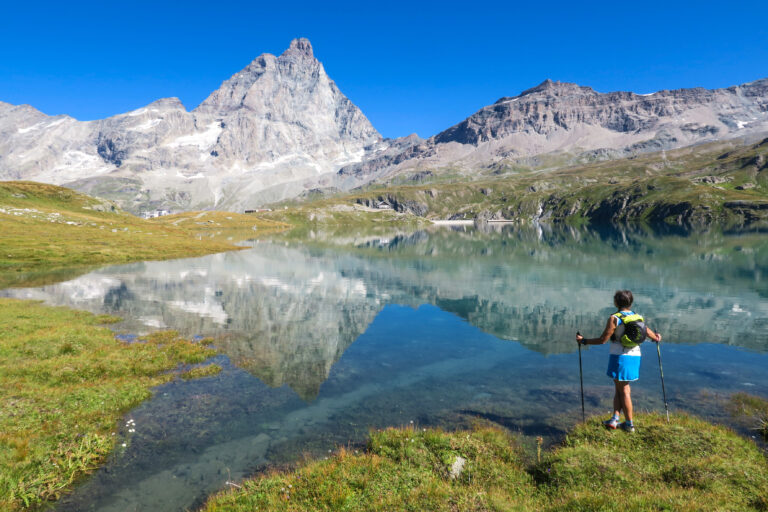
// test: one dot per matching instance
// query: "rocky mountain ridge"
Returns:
(560, 123)
(267, 133)
(281, 127)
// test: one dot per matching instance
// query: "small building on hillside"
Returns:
(155, 213)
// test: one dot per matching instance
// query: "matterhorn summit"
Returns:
(273, 130)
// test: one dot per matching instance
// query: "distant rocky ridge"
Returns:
(281, 127)
(569, 123)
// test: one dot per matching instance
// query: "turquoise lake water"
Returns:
(324, 337)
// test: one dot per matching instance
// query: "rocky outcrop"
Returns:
(391, 153)
(555, 107)
(396, 203)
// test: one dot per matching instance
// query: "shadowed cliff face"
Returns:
(287, 311)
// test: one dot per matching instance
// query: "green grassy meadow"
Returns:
(50, 233)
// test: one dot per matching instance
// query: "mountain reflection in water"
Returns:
(325, 337)
(287, 311)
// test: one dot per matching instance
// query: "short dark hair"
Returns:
(623, 299)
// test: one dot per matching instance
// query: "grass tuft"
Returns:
(198, 372)
(754, 408)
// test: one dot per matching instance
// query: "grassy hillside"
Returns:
(687, 464)
(696, 186)
(51, 231)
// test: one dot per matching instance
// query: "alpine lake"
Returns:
(325, 336)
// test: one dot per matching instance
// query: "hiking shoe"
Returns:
(612, 423)
(627, 427)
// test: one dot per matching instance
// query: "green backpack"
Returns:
(635, 330)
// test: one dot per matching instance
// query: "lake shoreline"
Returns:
(49, 230)
(66, 382)
(94, 445)
(322, 339)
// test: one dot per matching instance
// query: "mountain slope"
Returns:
(281, 128)
(269, 132)
(557, 123)
(48, 233)
(724, 182)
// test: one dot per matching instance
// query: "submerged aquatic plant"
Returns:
(754, 408)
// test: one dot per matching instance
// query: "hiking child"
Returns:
(626, 330)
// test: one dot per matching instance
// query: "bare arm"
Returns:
(655, 336)
(610, 326)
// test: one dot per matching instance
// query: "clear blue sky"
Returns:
(410, 66)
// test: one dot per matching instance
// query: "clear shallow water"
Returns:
(322, 342)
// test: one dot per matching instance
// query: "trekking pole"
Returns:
(581, 380)
(661, 372)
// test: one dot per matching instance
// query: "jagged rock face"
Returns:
(553, 107)
(276, 128)
(287, 108)
(564, 118)
(34, 146)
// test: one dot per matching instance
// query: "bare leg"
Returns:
(617, 400)
(625, 398)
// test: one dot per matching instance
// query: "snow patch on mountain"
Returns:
(203, 140)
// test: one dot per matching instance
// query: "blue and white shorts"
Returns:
(623, 367)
